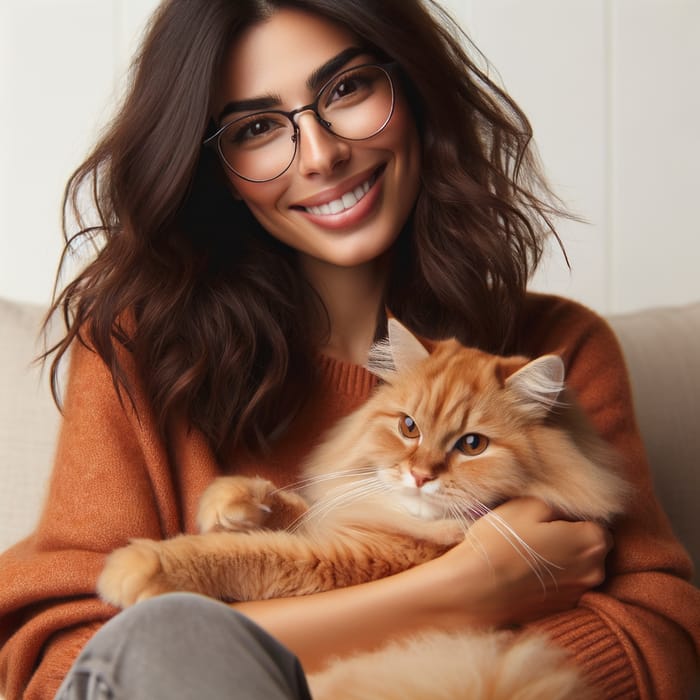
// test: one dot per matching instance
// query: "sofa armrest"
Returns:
(662, 351)
(28, 421)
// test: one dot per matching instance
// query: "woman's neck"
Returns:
(353, 297)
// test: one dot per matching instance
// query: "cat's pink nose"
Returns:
(421, 477)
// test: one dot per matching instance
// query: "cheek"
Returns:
(260, 197)
(392, 448)
(391, 454)
(491, 478)
(404, 134)
(407, 150)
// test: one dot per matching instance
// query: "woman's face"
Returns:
(278, 58)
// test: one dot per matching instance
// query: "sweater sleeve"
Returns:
(638, 635)
(108, 484)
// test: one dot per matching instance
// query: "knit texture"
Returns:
(637, 636)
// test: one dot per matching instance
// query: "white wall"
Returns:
(612, 88)
(61, 67)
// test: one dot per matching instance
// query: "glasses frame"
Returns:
(214, 141)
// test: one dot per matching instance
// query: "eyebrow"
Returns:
(314, 82)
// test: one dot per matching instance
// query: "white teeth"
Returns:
(349, 199)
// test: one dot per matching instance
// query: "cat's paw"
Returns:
(133, 573)
(235, 504)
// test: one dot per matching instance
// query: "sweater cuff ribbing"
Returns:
(596, 649)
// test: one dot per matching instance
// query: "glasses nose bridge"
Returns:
(311, 107)
(321, 148)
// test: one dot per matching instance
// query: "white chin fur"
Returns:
(418, 506)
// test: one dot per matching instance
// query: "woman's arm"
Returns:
(111, 481)
(480, 583)
(638, 634)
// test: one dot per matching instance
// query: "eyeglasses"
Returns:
(355, 105)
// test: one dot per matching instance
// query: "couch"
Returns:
(661, 346)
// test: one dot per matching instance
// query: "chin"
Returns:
(361, 253)
(419, 506)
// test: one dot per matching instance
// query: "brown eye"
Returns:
(408, 427)
(472, 444)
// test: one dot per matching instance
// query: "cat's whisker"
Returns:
(526, 546)
(537, 563)
(320, 478)
(457, 514)
(343, 495)
(361, 490)
(467, 505)
(533, 564)
(464, 518)
(297, 522)
(323, 508)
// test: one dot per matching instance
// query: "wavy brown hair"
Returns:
(218, 320)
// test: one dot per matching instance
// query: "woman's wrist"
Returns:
(464, 590)
(358, 618)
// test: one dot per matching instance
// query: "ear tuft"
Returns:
(399, 352)
(381, 361)
(538, 384)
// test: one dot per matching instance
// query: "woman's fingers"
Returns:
(528, 562)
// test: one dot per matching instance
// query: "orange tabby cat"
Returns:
(446, 438)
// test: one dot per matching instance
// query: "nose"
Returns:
(423, 476)
(319, 151)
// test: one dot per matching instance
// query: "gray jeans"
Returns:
(182, 646)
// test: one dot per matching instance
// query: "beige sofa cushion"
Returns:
(662, 350)
(28, 421)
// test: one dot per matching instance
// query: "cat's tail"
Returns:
(460, 666)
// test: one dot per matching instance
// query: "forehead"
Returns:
(280, 52)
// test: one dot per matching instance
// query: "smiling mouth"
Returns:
(346, 201)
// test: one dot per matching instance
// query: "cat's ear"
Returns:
(538, 384)
(400, 351)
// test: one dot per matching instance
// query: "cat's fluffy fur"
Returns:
(446, 438)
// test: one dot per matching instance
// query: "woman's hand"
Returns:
(521, 563)
(482, 582)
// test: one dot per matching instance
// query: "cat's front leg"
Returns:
(133, 573)
(444, 531)
(241, 504)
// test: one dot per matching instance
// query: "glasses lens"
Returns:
(357, 103)
(259, 146)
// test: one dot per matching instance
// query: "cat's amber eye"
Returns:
(408, 427)
(472, 444)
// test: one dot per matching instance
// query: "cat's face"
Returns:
(454, 433)
(461, 441)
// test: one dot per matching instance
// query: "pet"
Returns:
(446, 437)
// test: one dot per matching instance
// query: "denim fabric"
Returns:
(183, 646)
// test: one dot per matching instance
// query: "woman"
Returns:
(253, 232)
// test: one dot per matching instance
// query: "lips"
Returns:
(340, 198)
(347, 200)
(347, 205)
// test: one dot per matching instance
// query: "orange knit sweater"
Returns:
(114, 478)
